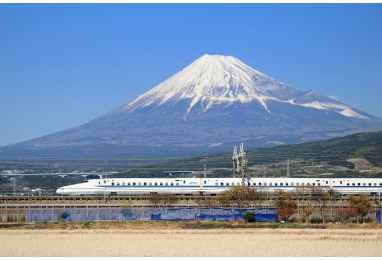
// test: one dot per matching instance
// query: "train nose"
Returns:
(62, 191)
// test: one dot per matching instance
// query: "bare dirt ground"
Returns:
(363, 164)
(154, 239)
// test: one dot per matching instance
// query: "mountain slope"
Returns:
(334, 151)
(211, 105)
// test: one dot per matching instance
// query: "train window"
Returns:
(380, 184)
(227, 184)
(340, 182)
(359, 184)
(238, 184)
(177, 183)
(112, 183)
(99, 182)
(281, 184)
(144, 183)
(292, 183)
(364, 184)
(369, 184)
(155, 183)
(123, 183)
(172, 184)
(161, 183)
(353, 184)
(222, 184)
(117, 183)
(184, 182)
(314, 184)
(270, 184)
(319, 184)
(302, 184)
(259, 183)
(150, 183)
(275, 183)
(249, 184)
(348, 184)
(133, 183)
(216, 184)
(104, 182)
(326, 182)
(233, 184)
(128, 183)
(265, 184)
(166, 184)
(139, 183)
(205, 182)
(286, 184)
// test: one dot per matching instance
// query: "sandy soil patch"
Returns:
(363, 164)
(191, 243)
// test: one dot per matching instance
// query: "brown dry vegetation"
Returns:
(191, 239)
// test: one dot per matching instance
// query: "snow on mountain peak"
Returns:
(217, 79)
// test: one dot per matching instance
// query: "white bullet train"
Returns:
(213, 186)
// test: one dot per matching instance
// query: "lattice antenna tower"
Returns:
(239, 162)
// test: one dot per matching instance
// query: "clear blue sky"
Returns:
(62, 65)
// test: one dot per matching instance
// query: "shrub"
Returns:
(249, 216)
(240, 221)
(316, 220)
(86, 225)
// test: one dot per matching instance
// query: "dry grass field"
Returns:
(107, 239)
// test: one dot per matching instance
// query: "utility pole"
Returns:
(14, 186)
(234, 162)
(243, 168)
(288, 176)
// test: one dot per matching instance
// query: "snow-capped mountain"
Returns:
(214, 80)
(212, 104)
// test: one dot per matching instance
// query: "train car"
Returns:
(213, 186)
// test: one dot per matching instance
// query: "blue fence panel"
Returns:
(206, 217)
(171, 214)
(266, 218)
(128, 214)
(378, 216)
(156, 216)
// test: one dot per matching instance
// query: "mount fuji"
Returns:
(212, 104)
